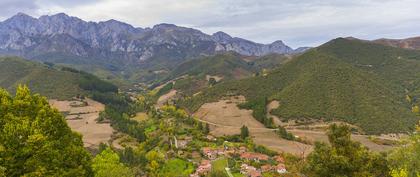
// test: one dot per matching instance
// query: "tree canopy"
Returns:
(404, 161)
(107, 164)
(344, 157)
(35, 139)
(244, 132)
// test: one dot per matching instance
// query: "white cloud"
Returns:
(297, 22)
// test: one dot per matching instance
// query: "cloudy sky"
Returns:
(296, 22)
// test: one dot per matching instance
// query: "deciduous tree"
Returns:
(107, 164)
(344, 157)
(35, 139)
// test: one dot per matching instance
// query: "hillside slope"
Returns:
(349, 80)
(409, 43)
(195, 75)
(49, 81)
(228, 65)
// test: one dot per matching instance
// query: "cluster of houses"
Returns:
(251, 171)
(213, 153)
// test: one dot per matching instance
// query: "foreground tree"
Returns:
(35, 139)
(344, 157)
(405, 160)
(107, 164)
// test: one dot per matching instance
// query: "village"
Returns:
(240, 160)
(261, 163)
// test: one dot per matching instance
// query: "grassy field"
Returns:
(177, 167)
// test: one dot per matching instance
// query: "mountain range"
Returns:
(113, 42)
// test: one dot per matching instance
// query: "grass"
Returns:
(177, 168)
(219, 165)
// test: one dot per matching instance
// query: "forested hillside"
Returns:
(361, 83)
(198, 74)
(51, 81)
(228, 65)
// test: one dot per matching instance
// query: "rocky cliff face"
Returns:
(245, 47)
(113, 40)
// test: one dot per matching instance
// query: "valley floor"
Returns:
(225, 118)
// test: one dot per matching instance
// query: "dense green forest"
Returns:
(195, 75)
(361, 83)
(49, 80)
(229, 65)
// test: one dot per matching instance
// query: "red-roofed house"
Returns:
(266, 168)
(281, 168)
(203, 169)
(279, 159)
(209, 153)
(254, 156)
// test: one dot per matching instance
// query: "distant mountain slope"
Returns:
(228, 65)
(117, 42)
(48, 81)
(409, 43)
(194, 75)
(350, 80)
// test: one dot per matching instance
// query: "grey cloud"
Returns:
(67, 3)
(11, 7)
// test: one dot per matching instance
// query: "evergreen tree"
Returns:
(35, 139)
(244, 132)
(206, 129)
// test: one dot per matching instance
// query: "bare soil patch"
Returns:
(273, 105)
(225, 118)
(82, 119)
(217, 78)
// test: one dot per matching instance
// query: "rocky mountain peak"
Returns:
(119, 27)
(19, 19)
(278, 43)
(164, 26)
(221, 36)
